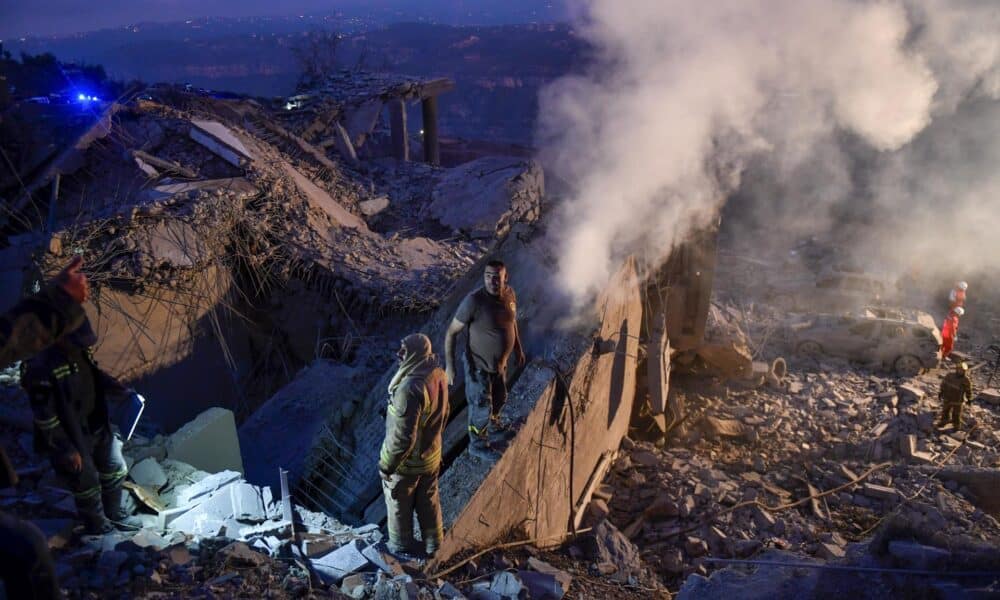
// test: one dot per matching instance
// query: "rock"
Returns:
(745, 548)
(687, 506)
(148, 473)
(178, 554)
(695, 546)
(880, 492)
(447, 591)
(209, 442)
(149, 539)
(762, 518)
(343, 561)
(564, 578)
(662, 508)
(829, 551)
(918, 556)
(598, 510)
(606, 545)
(506, 585)
(645, 459)
(374, 206)
(354, 586)
(715, 427)
(910, 393)
(239, 554)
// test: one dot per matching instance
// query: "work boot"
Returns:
(94, 520)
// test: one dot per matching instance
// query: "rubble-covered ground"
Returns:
(891, 489)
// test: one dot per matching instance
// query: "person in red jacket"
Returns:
(949, 331)
(956, 298)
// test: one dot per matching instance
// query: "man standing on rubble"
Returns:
(949, 331)
(26, 567)
(956, 389)
(490, 313)
(410, 458)
(69, 398)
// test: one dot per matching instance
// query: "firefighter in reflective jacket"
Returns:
(68, 396)
(411, 452)
(949, 331)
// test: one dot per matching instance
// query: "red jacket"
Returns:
(950, 327)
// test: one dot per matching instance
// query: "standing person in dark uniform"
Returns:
(72, 427)
(36, 322)
(490, 314)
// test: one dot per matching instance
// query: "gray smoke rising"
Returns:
(823, 103)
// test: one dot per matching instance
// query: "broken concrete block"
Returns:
(315, 547)
(374, 206)
(447, 591)
(715, 428)
(218, 139)
(880, 492)
(248, 504)
(210, 515)
(166, 517)
(990, 395)
(910, 393)
(918, 556)
(564, 578)
(209, 442)
(206, 486)
(149, 539)
(384, 561)
(542, 586)
(148, 473)
(354, 586)
(829, 551)
(889, 398)
(278, 528)
(695, 546)
(340, 563)
(239, 554)
(506, 585)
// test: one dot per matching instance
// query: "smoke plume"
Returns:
(806, 106)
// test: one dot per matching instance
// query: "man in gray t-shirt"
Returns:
(490, 314)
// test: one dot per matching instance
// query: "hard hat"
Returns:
(963, 286)
(963, 366)
(959, 311)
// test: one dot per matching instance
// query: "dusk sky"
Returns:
(21, 18)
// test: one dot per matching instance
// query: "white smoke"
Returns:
(683, 95)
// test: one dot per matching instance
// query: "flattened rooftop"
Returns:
(354, 88)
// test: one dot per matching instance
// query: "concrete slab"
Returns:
(206, 486)
(148, 473)
(209, 442)
(322, 200)
(343, 561)
(248, 503)
(221, 141)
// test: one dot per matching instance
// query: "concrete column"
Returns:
(397, 121)
(432, 151)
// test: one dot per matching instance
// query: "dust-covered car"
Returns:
(906, 343)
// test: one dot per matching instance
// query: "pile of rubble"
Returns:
(807, 468)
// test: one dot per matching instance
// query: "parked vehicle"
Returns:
(889, 339)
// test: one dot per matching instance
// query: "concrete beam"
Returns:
(432, 148)
(397, 121)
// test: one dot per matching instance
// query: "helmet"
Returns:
(959, 311)
(962, 285)
(963, 366)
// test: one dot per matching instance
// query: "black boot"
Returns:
(94, 520)
(115, 512)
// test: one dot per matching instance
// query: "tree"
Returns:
(316, 54)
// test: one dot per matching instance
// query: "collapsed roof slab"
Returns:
(575, 410)
(221, 141)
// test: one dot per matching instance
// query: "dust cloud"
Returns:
(807, 111)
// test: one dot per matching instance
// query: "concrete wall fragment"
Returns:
(208, 443)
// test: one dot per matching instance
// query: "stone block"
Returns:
(248, 503)
(209, 442)
(343, 561)
(829, 551)
(880, 492)
(197, 491)
(148, 473)
(695, 546)
(910, 393)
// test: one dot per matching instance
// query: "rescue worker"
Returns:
(26, 567)
(949, 331)
(490, 314)
(956, 297)
(410, 458)
(69, 398)
(956, 389)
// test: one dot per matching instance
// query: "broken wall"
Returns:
(577, 406)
